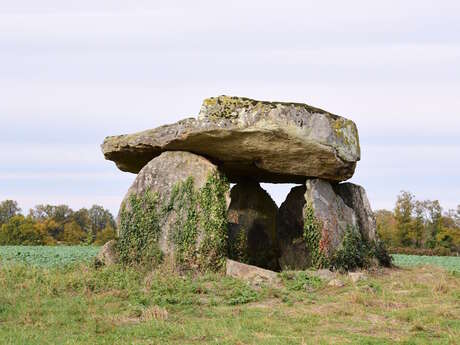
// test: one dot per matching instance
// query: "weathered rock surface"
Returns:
(252, 274)
(332, 212)
(252, 217)
(265, 141)
(357, 276)
(293, 252)
(355, 197)
(176, 209)
(107, 256)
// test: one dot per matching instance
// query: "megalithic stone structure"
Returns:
(180, 204)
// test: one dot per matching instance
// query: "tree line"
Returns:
(52, 225)
(419, 227)
(412, 227)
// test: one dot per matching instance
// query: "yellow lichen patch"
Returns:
(346, 131)
(229, 107)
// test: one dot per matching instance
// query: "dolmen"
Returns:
(181, 208)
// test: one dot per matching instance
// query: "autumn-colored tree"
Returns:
(107, 234)
(387, 227)
(72, 234)
(20, 230)
(46, 228)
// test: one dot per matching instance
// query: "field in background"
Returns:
(450, 263)
(67, 255)
(47, 256)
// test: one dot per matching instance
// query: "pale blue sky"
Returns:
(72, 72)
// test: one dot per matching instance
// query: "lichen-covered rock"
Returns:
(355, 197)
(326, 220)
(108, 255)
(265, 141)
(252, 217)
(328, 225)
(293, 251)
(177, 206)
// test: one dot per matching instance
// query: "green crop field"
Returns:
(450, 263)
(47, 256)
(68, 255)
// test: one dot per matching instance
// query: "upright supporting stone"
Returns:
(355, 197)
(252, 219)
(312, 224)
(334, 216)
(177, 207)
(293, 251)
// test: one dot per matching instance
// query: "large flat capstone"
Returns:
(270, 142)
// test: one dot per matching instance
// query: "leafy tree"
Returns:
(8, 209)
(403, 214)
(81, 217)
(107, 234)
(72, 234)
(46, 228)
(434, 217)
(20, 231)
(100, 218)
(387, 227)
(417, 228)
(60, 213)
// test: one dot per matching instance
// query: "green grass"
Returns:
(47, 256)
(450, 263)
(75, 303)
(82, 305)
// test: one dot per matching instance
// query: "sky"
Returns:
(73, 72)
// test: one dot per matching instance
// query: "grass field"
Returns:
(78, 304)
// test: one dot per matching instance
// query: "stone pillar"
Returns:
(176, 208)
(252, 218)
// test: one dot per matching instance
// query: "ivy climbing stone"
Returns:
(176, 208)
(179, 206)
